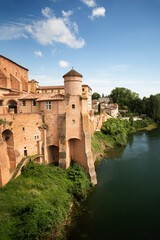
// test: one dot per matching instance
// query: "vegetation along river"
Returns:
(126, 202)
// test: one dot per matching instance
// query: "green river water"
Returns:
(126, 202)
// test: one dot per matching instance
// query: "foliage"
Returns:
(124, 97)
(118, 128)
(3, 121)
(130, 101)
(96, 95)
(39, 199)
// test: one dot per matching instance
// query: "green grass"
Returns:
(40, 199)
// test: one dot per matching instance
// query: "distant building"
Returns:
(104, 99)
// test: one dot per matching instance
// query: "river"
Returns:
(126, 202)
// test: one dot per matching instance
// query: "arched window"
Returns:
(12, 105)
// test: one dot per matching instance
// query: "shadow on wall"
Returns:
(8, 138)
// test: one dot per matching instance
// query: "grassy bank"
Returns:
(115, 133)
(39, 200)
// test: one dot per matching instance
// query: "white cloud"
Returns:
(38, 53)
(45, 31)
(63, 63)
(54, 30)
(12, 31)
(67, 14)
(98, 12)
(89, 3)
(47, 12)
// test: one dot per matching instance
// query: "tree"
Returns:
(124, 97)
(95, 95)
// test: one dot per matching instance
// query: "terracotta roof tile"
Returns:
(72, 73)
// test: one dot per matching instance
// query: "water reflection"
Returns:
(125, 203)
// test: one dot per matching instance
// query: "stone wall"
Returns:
(26, 130)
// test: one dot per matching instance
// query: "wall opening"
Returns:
(53, 153)
(77, 151)
(8, 138)
(12, 106)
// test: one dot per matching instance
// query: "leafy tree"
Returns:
(95, 95)
(124, 97)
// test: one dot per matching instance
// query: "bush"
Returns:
(39, 199)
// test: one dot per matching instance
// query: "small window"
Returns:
(25, 152)
(36, 137)
(58, 91)
(73, 121)
(83, 89)
(1, 104)
(24, 103)
(23, 129)
(48, 105)
(73, 106)
(34, 103)
(45, 91)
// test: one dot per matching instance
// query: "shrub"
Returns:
(39, 199)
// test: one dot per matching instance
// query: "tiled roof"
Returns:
(50, 87)
(29, 96)
(42, 96)
(50, 97)
(72, 73)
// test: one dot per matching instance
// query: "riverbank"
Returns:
(109, 145)
(125, 203)
(38, 202)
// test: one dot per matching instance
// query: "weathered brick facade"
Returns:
(56, 124)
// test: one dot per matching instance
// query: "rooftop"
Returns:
(72, 73)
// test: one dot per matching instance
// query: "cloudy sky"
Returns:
(112, 43)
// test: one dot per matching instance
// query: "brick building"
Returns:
(54, 122)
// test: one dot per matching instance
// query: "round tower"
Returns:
(73, 83)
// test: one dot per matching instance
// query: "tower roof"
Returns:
(72, 73)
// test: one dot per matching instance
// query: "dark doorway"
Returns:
(8, 138)
(53, 153)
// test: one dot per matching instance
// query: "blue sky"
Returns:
(112, 43)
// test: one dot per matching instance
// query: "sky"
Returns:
(112, 43)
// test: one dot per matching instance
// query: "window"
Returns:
(36, 137)
(1, 103)
(73, 106)
(24, 103)
(58, 91)
(25, 152)
(34, 103)
(48, 105)
(83, 89)
(23, 129)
